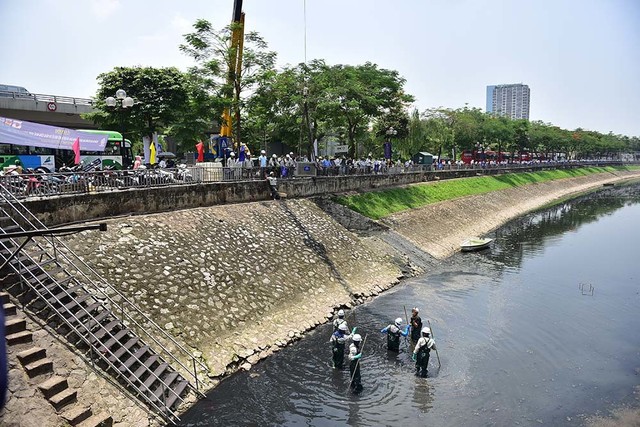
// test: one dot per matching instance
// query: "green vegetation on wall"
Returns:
(379, 204)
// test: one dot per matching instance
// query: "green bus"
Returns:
(50, 160)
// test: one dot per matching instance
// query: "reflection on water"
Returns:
(518, 341)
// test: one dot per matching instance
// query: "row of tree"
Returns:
(355, 105)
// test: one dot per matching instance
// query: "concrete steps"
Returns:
(76, 414)
(54, 388)
(100, 420)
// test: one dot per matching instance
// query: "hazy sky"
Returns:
(581, 58)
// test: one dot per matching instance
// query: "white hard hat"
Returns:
(274, 156)
(232, 154)
(426, 330)
(398, 321)
(343, 327)
(357, 338)
(263, 152)
(340, 313)
(416, 309)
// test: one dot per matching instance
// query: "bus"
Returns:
(50, 160)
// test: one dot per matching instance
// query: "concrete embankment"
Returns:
(236, 283)
(438, 229)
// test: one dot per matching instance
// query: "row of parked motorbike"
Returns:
(83, 178)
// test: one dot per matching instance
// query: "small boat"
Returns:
(475, 244)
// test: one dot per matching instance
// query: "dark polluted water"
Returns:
(542, 329)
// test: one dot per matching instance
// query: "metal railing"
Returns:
(47, 98)
(54, 184)
(114, 300)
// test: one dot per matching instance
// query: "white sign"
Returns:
(341, 148)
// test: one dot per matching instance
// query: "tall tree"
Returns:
(212, 50)
(161, 97)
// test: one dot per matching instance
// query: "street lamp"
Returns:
(125, 102)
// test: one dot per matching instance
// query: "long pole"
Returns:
(406, 317)
(357, 362)
(438, 355)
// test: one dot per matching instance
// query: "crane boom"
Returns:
(235, 72)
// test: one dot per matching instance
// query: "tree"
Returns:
(212, 50)
(356, 95)
(161, 97)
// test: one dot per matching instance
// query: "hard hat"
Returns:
(274, 156)
(357, 338)
(416, 309)
(343, 327)
(263, 152)
(232, 154)
(426, 330)
(398, 321)
(340, 313)
(291, 153)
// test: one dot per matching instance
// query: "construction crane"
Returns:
(233, 80)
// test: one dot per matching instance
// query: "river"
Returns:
(541, 329)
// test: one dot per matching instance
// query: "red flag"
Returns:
(200, 148)
(76, 149)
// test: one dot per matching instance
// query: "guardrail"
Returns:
(47, 98)
(54, 184)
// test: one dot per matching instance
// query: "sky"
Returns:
(580, 58)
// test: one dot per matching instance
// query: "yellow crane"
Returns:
(235, 72)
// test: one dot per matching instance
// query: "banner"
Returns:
(387, 150)
(20, 132)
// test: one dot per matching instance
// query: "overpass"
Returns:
(54, 110)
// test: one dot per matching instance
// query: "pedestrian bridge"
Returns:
(54, 110)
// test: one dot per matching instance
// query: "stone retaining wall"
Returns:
(235, 283)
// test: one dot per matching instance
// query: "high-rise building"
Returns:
(509, 100)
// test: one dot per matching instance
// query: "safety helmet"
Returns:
(416, 309)
(343, 327)
(398, 321)
(340, 313)
(263, 152)
(426, 330)
(232, 154)
(357, 338)
(274, 156)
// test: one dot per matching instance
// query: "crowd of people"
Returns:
(285, 165)
(421, 344)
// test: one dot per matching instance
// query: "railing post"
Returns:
(195, 373)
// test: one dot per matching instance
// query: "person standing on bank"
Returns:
(393, 334)
(273, 186)
(339, 321)
(355, 353)
(338, 341)
(416, 325)
(421, 352)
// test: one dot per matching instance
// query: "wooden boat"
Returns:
(475, 244)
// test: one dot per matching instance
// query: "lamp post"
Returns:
(121, 99)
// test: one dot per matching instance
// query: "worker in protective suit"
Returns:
(338, 341)
(421, 352)
(394, 332)
(340, 320)
(355, 353)
(416, 324)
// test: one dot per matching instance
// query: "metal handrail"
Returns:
(47, 98)
(82, 182)
(81, 332)
(65, 255)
